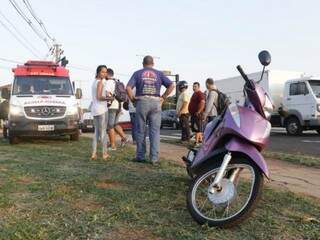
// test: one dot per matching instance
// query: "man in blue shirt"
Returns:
(148, 101)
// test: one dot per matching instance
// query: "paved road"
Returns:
(308, 143)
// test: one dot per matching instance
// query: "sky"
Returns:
(195, 39)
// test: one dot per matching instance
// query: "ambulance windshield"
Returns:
(42, 85)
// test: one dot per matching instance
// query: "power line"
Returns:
(32, 12)
(87, 69)
(27, 20)
(19, 33)
(77, 67)
(10, 61)
(5, 67)
(18, 39)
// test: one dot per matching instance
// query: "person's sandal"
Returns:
(93, 157)
(105, 156)
(124, 142)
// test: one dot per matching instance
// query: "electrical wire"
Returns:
(19, 33)
(88, 69)
(33, 14)
(10, 61)
(27, 20)
(5, 67)
(18, 39)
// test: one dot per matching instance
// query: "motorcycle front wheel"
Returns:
(239, 192)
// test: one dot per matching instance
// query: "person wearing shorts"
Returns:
(114, 113)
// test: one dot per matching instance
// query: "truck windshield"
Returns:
(42, 85)
(315, 85)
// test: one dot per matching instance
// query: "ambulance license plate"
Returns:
(45, 128)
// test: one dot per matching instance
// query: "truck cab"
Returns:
(42, 102)
(301, 98)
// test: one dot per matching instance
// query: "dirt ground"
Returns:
(296, 178)
(293, 177)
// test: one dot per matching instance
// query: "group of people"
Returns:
(145, 101)
(106, 111)
(201, 109)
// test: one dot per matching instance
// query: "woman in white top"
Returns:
(99, 111)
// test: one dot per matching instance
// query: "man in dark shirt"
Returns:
(196, 108)
(148, 101)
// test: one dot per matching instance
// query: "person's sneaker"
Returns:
(124, 142)
(155, 163)
(112, 148)
(138, 160)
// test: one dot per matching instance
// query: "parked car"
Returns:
(124, 120)
(169, 118)
(86, 123)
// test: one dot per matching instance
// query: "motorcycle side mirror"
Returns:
(264, 58)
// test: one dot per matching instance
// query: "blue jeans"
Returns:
(148, 110)
(134, 126)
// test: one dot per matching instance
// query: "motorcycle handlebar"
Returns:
(245, 77)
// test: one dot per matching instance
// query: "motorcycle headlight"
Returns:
(268, 107)
(318, 107)
(16, 110)
(191, 155)
(72, 110)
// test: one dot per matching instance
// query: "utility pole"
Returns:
(57, 52)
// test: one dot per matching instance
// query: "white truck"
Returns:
(296, 98)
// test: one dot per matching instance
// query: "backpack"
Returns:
(222, 102)
(120, 92)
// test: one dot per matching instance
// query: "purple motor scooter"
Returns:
(228, 169)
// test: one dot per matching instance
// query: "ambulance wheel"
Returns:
(5, 132)
(75, 136)
(13, 139)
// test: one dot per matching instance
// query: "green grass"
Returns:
(50, 190)
(296, 158)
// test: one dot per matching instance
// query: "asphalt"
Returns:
(308, 143)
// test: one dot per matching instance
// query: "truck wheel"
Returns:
(293, 127)
(75, 136)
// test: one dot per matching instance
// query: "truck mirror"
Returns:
(264, 58)
(78, 93)
(5, 93)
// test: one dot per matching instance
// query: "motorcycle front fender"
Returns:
(236, 145)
